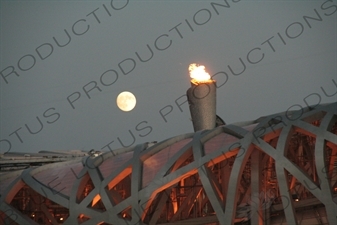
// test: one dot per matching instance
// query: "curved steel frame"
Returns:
(265, 142)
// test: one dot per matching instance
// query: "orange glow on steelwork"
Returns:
(192, 182)
(96, 199)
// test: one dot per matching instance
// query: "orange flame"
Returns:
(198, 74)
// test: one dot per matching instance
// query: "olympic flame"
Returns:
(198, 74)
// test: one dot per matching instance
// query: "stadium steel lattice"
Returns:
(279, 169)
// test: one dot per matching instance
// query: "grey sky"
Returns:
(299, 57)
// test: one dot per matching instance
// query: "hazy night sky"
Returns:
(72, 90)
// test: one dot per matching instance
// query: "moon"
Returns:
(126, 101)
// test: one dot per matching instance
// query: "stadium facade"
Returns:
(278, 169)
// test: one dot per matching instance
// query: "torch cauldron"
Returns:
(202, 98)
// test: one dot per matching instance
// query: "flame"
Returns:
(198, 74)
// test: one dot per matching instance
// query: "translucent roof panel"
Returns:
(60, 179)
(250, 127)
(4, 183)
(154, 163)
(219, 141)
(113, 163)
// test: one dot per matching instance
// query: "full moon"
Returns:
(126, 101)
